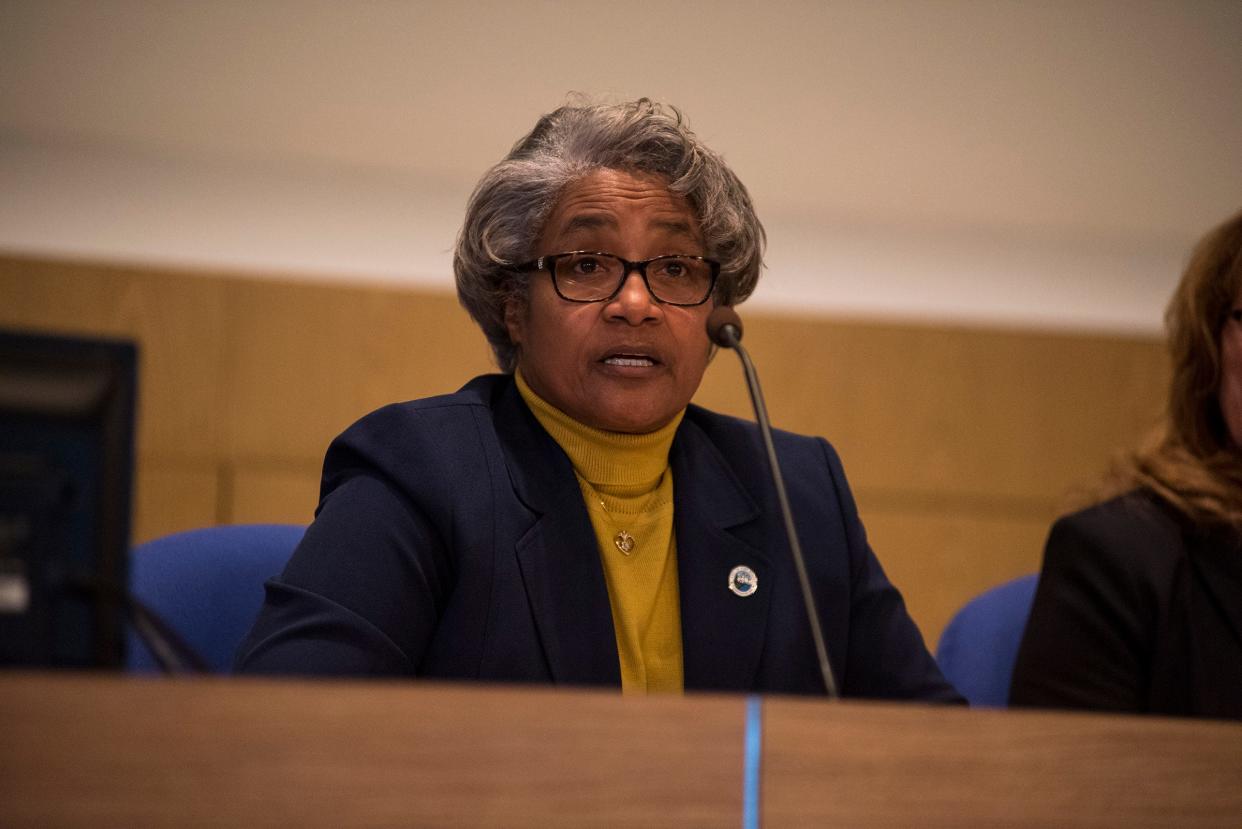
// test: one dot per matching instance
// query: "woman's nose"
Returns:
(634, 302)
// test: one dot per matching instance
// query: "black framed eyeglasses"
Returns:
(590, 276)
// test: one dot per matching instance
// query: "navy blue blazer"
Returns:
(451, 541)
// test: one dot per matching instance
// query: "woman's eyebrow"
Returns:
(675, 227)
(590, 221)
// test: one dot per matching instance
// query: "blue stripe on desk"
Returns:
(754, 750)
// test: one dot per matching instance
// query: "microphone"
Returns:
(724, 328)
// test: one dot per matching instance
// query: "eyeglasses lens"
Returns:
(587, 277)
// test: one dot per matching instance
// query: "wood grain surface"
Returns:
(106, 751)
(864, 765)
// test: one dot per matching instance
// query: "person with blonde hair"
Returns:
(1139, 604)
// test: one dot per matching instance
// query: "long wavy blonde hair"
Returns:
(1191, 461)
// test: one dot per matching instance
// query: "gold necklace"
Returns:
(623, 541)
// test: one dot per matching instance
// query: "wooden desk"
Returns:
(854, 764)
(98, 750)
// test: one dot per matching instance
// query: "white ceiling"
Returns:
(1106, 131)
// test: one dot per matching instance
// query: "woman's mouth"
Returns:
(629, 360)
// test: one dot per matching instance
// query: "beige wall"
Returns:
(961, 444)
(1041, 164)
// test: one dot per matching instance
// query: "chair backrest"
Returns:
(207, 585)
(979, 646)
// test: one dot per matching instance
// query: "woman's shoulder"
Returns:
(1134, 531)
(441, 411)
(1137, 509)
(1138, 512)
(478, 392)
(418, 434)
(811, 470)
(727, 429)
(738, 440)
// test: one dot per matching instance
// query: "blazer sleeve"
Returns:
(1088, 642)
(364, 590)
(886, 656)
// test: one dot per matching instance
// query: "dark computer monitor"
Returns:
(66, 475)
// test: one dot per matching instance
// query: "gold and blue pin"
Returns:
(743, 581)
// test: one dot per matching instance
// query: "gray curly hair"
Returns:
(512, 201)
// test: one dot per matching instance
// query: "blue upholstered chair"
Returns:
(979, 646)
(207, 585)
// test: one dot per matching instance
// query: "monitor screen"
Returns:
(66, 473)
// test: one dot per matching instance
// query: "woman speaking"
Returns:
(574, 520)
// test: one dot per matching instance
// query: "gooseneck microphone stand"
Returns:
(724, 328)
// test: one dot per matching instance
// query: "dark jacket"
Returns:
(1137, 610)
(451, 541)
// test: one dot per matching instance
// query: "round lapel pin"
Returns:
(743, 581)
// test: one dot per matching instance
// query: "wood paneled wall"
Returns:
(961, 444)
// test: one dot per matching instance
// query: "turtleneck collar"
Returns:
(620, 462)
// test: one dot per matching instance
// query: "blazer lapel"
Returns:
(722, 632)
(557, 556)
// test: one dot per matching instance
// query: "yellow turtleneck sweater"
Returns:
(627, 485)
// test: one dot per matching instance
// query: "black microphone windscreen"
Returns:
(721, 319)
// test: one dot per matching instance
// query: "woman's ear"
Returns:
(515, 320)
